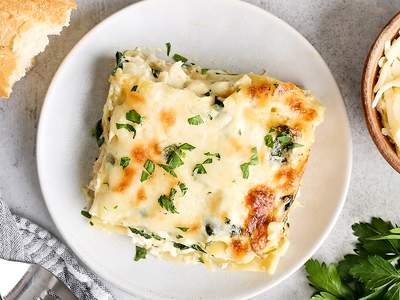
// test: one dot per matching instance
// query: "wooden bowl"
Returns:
(370, 77)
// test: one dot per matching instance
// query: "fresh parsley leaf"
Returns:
(178, 57)
(269, 141)
(324, 296)
(168, 46)
(325, 278)
(167, 202)
(180, 246)
(86, 214)
(134, 116)
(134, 88)
(147, 236)
(186, 146)
(140, 253)
(148, 170)
(183, 187)
(217, 155)
(199, 169)
(184, 229)
(204, 71)
(119, 62)
(196, 120)
(197, 248)
(245, 170)
(379, 277)
(155, 72)
(345, 265)
(254, 156)
(128, 127)
(168, 169)
(208, 161)
(124, 162)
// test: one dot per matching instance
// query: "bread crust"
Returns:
(18, 16)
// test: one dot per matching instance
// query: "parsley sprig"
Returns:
(200, 169)
(167, 202)
(372, 272)
(174, 155)
(253, 161)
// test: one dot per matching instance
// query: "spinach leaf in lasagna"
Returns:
(97, 132)
(119, 61)
(134, 116)
(178, 57)
(280, 139)
(144, 234)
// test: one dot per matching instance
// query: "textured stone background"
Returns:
(341, 30)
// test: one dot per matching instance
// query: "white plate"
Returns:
(224, 34)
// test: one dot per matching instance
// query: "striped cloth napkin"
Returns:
(21, 240)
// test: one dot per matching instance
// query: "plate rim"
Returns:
(348, 146)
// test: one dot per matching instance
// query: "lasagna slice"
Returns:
(199, 165)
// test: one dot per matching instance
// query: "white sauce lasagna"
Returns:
(198, 165)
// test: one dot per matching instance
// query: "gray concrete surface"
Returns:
(341, 30)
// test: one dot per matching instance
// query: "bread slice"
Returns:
(24, 29)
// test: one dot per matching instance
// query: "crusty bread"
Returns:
(24, 29)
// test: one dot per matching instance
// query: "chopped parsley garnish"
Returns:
(280, 139)
(147, 236)
(217, 155)
(179, 237)
(245, 170)
(134, 88)
(140, 253)
(204, 71)
(168, 46)
(174, 154)
(97, 132)
(227, 220)
(134, 116)
(253, 161)
(86, 214)
(207, 94)
(119, 61)
(155, 72)
(91, 223)
(201, 260)
(196, 120)
(182, 187)
(115, 207)
(184, 229)
(180, 246)
(209, 229)
(128, 127)
(197, 248)
(167, 202)
(199, 169)
(124, 162)
(168, 169)
(148, 170)
(178, 57)
(218, 104)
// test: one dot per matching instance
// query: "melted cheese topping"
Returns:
(387, 89)
(233, 212)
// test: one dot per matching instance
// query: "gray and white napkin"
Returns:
(21, 240)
